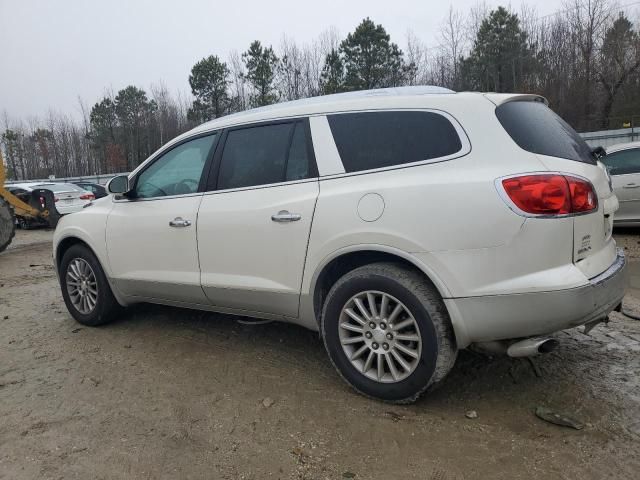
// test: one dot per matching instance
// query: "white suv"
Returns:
(402, 224)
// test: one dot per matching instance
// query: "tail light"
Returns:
(87, 196)
(551, 194)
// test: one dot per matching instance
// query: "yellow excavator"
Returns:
(38, 207)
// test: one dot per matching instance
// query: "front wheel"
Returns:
(85, 288)
(387, 332)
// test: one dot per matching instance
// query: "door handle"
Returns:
(284, 216)
(179, 222)
(631, 185)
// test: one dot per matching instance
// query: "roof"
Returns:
(322, 104)
(32, 185)
(622, 146)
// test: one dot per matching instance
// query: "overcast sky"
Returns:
(53, 51)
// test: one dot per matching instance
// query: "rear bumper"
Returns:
(500, 317)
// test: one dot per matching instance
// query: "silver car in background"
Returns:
(69, 198)
(623, 163)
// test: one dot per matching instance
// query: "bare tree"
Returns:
(417, 58)
(452, 42)
(239, 93)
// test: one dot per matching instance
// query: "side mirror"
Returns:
(118, 185)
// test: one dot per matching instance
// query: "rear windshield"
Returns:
(59, 187)
(537, 129)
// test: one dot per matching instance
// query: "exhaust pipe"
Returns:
(531, 346)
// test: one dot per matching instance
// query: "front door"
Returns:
(253, 230)
(624, 167)
(151, 236)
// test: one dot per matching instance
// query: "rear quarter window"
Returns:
(538, 129)
(369, 140)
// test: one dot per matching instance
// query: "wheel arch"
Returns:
(69, 241)
(66, 243)
(347, 259)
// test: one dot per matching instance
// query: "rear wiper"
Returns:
(598, 152)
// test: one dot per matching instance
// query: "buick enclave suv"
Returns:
(402, 224)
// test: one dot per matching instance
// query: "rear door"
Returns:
(537, 129)
(253, 228)
(624, 168)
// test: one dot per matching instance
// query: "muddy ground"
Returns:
(168, 393)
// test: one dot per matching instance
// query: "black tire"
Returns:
(439, 350)
(107, 307)
(24, 223)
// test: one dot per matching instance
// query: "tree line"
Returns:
(585, 59)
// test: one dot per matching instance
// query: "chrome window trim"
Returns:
(122, 199)
(513, 207)
(260, 187)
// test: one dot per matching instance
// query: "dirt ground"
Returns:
(169, 393)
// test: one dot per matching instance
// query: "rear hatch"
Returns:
(537, 129)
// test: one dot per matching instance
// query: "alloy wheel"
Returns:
(380, 336)
(82, 285)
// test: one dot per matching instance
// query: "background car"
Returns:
(98, 190)
(623, 162)
(69, 198)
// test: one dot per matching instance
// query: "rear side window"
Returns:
(537, 129)
(264, 154)
(371, 140)
(623, 162)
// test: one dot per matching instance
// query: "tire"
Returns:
(7, 224)
(421, 308)
(24, 224)
(106, 307)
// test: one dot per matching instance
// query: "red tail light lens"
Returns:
(551, 194)
(87, 196)
(583, 197)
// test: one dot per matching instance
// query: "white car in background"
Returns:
(69, 198)
(623, 162)
(402, 224)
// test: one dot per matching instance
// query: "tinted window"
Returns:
(298, 161)
(177, 172)
(624, 161)
(537, 129)
(382, 139)
(263, 155)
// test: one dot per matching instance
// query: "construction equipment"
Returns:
(38, 208)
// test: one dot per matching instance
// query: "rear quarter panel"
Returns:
(449, 206)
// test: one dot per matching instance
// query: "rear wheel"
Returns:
(387, 332)
(7, 224)
(85, 288)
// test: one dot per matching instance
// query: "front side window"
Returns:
(177, 172)
(623, 162)
(263, 155)
(369, 140)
